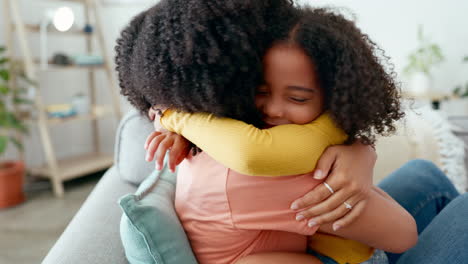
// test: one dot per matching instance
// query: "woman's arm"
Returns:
(281, 150)
(279, 258)
(383, 224)
(348, 170)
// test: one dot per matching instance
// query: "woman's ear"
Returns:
(151, 114)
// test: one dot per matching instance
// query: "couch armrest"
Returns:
(93, 234)
(130, 138)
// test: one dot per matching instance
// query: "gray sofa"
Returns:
(93, 234)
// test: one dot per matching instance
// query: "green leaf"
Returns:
(5, 75)
(21, 90)
(18, 100)
(5, 120)
(8, 120)
(3, 60)
(465, 93)
(17, 124)
(457, 90)
(4, 89)
(2, 49)
(17, 143)
(3, 143)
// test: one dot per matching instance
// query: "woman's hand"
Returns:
(348, 171)
(158, 143)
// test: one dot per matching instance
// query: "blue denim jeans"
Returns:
(440, 212)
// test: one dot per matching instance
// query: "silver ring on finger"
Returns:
(329, 187)
(348, 206)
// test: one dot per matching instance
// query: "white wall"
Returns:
(58, 87)
(392, 24)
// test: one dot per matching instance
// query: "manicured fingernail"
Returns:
(318, 175)
(336, 227)
(158, 167)
(300, 217)
(147, 157)
(294, 206)
(312, 223)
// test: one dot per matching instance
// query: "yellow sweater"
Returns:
(278, 151)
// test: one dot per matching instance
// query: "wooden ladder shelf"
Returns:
(61, 170)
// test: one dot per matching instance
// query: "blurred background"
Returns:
(59, 85)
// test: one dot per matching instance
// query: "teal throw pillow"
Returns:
(150, 230)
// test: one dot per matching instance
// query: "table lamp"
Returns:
(62, 18)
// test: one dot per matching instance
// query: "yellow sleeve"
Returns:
(277, 151)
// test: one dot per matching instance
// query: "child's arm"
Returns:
(281, 150)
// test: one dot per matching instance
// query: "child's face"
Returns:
(291, 93)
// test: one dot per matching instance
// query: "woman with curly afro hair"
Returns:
(198, 56)
(311, 68)
(190, 56)
(340, 65)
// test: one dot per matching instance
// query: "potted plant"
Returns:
(421, 62)
(11, 171)
(457, 103)
(461, 91)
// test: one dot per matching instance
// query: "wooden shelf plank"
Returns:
(55, 67)
(112, 4)
(432, 96)
(73, 1)
(77, 166)
(96, 112)
(52, 30)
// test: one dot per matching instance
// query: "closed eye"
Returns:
(299, 100)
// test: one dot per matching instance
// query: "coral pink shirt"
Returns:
(227, 215)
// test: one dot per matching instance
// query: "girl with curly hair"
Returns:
(319, 70)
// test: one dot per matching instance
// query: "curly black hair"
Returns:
(198, 55)
(361, 91)
(206, 56)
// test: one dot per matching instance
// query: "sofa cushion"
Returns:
(129, 154)
(92, 236)
(423, 134)
(150, 229)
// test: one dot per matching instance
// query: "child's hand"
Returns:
(157, 144)
(348, 171)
